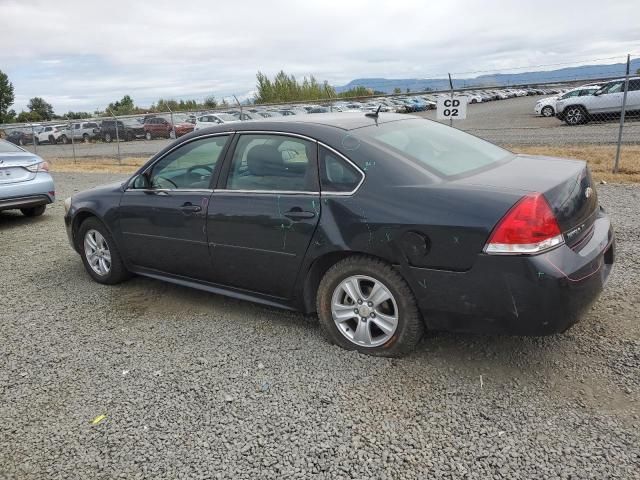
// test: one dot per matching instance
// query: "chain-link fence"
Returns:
(553, 113)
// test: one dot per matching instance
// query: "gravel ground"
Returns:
(506, 122)
(195, 385)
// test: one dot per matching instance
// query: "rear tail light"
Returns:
(38, 167)
(529, 227)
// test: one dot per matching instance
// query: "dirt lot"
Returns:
(194, 385)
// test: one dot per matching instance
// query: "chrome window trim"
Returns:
(267, 192)
(290, 192)
(358, 169)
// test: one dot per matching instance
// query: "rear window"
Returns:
(444, 150)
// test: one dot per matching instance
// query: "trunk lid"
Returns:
(12, 167)
(566, 185)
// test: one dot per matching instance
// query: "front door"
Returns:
(261, 221)
(163, 214)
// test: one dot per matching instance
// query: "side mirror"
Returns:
(141, 182)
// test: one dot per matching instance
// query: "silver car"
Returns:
(25, 183)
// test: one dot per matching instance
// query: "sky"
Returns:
(81, 55)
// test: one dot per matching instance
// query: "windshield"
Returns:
(6, 147)
(444, 150)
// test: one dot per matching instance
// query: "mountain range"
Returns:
(584, 72)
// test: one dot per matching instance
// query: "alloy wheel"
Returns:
(574, 116)
(97, 252)
(364, 310)
(547, 111)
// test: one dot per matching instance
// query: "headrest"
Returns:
(265, 160)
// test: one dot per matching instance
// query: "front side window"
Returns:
(264, 162)
(337, 175)
(190, 166)
(441, 149)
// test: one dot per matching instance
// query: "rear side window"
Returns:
(634, 85)
(336, 174)
(263, 162)
(443, 150)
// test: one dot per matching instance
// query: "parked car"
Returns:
(604, 103)
(462, 235)
(547, 106)
(80, 132)
(20, 136)
(25, 183)
(127, 130)
(50, 134)
(161, 126)
(211, 119)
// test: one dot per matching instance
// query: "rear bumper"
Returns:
(39, 191)
(520, 295)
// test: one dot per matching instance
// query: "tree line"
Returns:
(281, 88)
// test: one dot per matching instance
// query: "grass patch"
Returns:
(599, 157)
(96, 165)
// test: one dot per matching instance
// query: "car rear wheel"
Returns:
(108, 138)
(85, 138)
(99, 253)
(364, 304)
(575, 116)
(21, 141)
(33, 211)
(547, 111)
(147, 135)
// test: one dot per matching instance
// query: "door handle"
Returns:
(190, 208)
(297, 214)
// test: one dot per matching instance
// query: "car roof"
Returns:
(342, 120)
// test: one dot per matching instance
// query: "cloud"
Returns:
(83, 56)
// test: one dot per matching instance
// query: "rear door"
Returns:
(633, 96)
(609, 98)
(163, 219)
(263, 215)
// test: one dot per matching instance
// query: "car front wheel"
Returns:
(148, 136)
(547, 111)
(364, 304)
(99, 253)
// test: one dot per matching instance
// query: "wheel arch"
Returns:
(80, 217)
(319, 267)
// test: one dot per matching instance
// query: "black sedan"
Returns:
(383, 225)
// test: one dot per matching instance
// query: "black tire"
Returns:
(118, 272)
(547, 111)
(575, 115)
(21, 141)
(410, 327)
(85, 138)
(52, 140)
(63, 139)
(33, 211)
(108, 138)
(37, 142)
(148, 136)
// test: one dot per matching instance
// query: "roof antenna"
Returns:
(372, 114)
